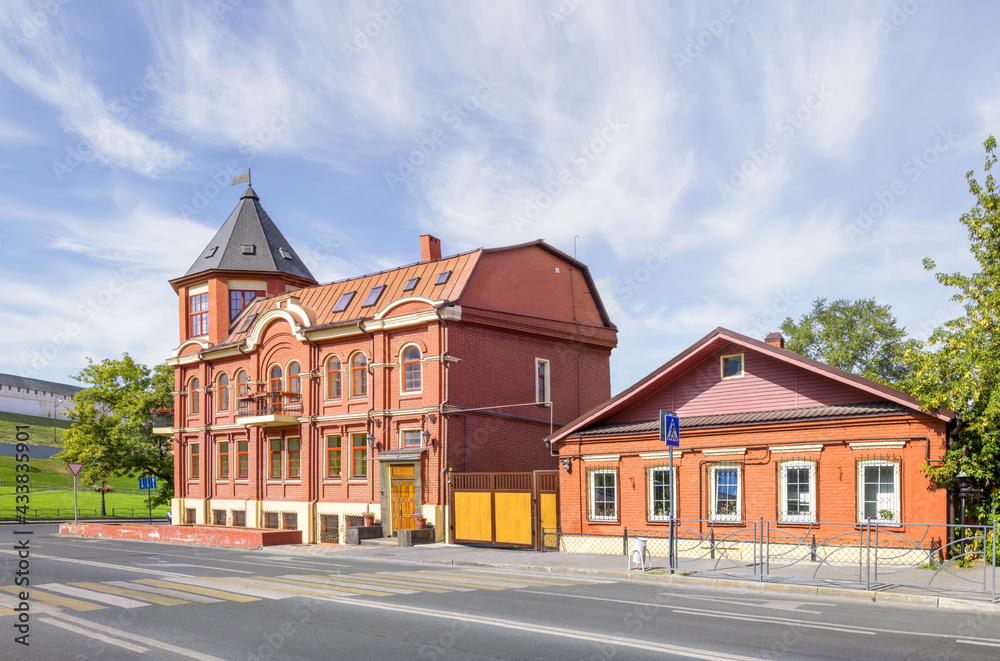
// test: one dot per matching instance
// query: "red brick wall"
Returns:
(836, 476)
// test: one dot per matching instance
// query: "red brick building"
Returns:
(766, 433)
(299, 405)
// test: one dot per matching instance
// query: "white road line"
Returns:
(298, 590)
(92, 563)
(575, 634)
(464, 580)
(741, 602)
(330, 582)
(409, 581)
(151, 642)
(185, 564)
(554, 579)
(102, 597)
(977, 642)
(285, 560)
(93, 634)
(226, 586)
(790, 623)
(166, 592)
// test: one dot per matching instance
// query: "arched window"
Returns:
(411, 369)
(194, 404)
(223, 391)
(276, 381)
(294, 380)
(359, 375)
(333, 378)
(241, 384)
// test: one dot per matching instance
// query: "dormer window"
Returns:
(442, 277)
(249, 249)
(411, 284)
(285, 252)
(373, 296)
(211, 252)
(344, 301)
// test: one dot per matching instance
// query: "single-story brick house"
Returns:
(764, 433)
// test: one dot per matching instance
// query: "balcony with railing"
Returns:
(163, 421)
(269, 409)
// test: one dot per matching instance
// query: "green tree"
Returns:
(959, 368)
(111, 432)
(857, 336)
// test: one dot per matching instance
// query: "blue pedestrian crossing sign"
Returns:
(670, 428)
(147, 483)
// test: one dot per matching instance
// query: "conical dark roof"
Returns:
(250, 241)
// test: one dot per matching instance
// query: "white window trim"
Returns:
(783, 514)
(402, 371)
(591, 495)
(548, 380)
(713, 496)
(896, 520)
(722, 366)
(673, 491)
(402, 438)
(326, 378)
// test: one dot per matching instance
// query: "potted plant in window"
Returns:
(419, 521)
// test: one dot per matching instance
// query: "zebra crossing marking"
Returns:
(100, 597)
(56, 600)
(139, 649)
(387, 585)
(199, 590)
(231, 585)
(166, 592)
(131, 594)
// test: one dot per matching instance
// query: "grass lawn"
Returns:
(55, 472)
(41, 431)
(46, 504)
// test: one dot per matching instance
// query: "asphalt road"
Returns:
(98, 599)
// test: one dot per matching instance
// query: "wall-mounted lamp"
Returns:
(567, 464)
(371, 441)
(427, 439)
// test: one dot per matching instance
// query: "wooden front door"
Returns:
(403, 496)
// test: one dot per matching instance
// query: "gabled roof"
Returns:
(704, 347)
(249, 225)
(37, 384)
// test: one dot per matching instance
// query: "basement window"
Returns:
(373, 296)
(345, 300)
(442, 277)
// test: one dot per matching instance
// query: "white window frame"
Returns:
(897, 510)
(713, 496)
(722, 366)
(651, 516)
(783, 514)
(402, 438)
(402, 370)
(591, 494)
(548, 380)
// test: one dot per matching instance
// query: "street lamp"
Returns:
(427, 439)
(964, 490)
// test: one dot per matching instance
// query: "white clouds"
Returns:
(42, 61)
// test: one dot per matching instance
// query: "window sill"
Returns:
(659, 521)
(606, 522)
(727, 522)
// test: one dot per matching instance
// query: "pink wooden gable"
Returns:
(767, 384)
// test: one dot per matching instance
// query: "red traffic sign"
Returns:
(75, 468)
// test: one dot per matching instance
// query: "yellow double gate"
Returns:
(506, 509)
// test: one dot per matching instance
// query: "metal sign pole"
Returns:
(670, 542)
(76, 509)
(149, 501)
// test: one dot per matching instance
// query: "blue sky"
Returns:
(722, 163)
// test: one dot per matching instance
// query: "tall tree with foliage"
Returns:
(857, 336)
(961, 368)
(112, 425)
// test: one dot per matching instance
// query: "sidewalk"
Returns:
(799, 581)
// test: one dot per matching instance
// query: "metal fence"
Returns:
(44, 486)
(872, 554)
(42, 513)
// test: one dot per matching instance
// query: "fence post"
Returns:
(711, 535)
(670, 545)
(625, 542)
(868, 554)
(994, 560)
(876, 552)
(767, 554)
(812, 552)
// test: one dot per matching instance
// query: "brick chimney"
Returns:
(775, 339)
(430, 248)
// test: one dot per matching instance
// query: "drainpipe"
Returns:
(317, 445)
(444, 424)
(371, 408)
